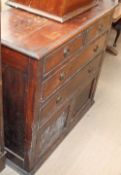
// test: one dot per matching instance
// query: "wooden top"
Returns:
(36, 36)
(117, 13)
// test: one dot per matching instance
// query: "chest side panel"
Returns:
(2, 155)
(15, 77)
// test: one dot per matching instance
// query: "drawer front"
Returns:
(98, 28)
(62, 53)
(82, 97)
(53, 129)
(80, 81)
(54, 82)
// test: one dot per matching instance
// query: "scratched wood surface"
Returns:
(37, 36)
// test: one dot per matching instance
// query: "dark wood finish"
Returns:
(50, 8)
(68, 90)
(62, 53)
(68, 70)
(50, 74)
(2, 153)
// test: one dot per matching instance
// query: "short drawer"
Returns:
(79, 81)
(68, 70)
(98, 28)
(62, 53)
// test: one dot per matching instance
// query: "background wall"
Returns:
(3, 4)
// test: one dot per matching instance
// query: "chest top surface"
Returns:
(36, 36)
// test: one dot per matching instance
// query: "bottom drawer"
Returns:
(53, 129)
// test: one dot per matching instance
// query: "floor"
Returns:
(94, 145)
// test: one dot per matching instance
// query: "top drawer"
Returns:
(98, 28)
(62, 53)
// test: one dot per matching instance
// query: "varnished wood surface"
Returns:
(68, 71)
(36, 36)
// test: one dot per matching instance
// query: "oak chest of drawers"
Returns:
(2, 153)
(50, 74)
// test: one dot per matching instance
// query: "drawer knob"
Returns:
(90, 70)
(58, 100)
(66, 52)
(62, 76)
(96, 48)
(101, 28)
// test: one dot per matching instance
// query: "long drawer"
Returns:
(78, 82)
(55, 81)
(62, 53)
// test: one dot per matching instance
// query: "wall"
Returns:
(3, 4)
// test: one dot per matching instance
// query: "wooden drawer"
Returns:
(51, 84)
(98, 28)
(62, 53)
(82, 97)
(80, 81)
(53, 129)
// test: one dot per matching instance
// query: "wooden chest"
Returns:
(59, 10)
(50, 73)
(2, 153)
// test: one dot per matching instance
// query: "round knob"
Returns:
(101, 28)
(62, 76)
(96, 48)
(66, 52)
(89, 70)
(58, 100)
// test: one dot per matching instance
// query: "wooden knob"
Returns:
(62, 76)
(90, 70)
(101, 28)
(66, 52)
(58, 100)
(96, 48)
